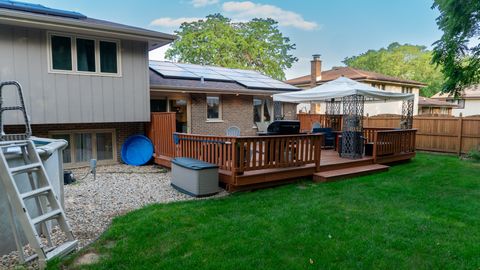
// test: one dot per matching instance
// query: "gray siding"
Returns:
(65, 98)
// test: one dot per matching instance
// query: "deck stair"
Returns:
(345, 173)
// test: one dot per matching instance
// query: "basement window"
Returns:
(84, 145)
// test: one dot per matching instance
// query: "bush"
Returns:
(474, 155)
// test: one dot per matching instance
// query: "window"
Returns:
(407, 90)
(61, 53)
(213, 108)
(108, 57)
(262, 110)
(83, 55)
(85, 145)
(379, 86)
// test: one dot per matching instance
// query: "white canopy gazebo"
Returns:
(352, 95)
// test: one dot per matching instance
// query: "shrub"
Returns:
(474, 155)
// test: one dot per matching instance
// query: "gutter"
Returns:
(197, 90)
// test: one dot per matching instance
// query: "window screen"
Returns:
(108, 57)
(85, 55)
(213, 108)
(61, 53)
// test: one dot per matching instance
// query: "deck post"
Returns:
(375, 137)
(318, 151)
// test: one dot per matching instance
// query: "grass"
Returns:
(421, 215)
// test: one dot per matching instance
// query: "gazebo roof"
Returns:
(338, 89)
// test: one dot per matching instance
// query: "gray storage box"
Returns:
(194, 177)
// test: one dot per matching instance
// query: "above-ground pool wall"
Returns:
(51, 155)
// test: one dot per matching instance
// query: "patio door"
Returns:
(179, 106)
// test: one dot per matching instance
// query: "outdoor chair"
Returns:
(233, 131)
(315, 127)
(328, 135)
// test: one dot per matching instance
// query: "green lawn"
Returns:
(421, 215)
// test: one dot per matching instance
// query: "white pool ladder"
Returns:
(34, 225)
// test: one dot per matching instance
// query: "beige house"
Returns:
(430, 106)
(384, 82)
(468, 104)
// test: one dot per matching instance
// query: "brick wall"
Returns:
(122, 130)
(236, 111)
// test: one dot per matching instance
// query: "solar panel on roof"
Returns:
(39, 9)
(247, 78)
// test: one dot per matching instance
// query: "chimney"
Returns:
(316, 70)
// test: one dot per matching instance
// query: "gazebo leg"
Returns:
(406, 121)
(352, 132)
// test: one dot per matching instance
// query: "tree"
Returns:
(410, 62)
(458, 50)
(257, 44)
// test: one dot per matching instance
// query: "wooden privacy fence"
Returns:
(160, 131)
(434, 133)
(241, 154)
(307, 120)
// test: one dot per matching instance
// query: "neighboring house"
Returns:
(384, 82)
(430, 106)
(208, 99)
(84, 80)
(467, 104)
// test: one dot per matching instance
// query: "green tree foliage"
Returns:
(411, 62)
(257, 44)
(458, 51)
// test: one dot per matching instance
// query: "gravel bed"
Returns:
(91, 204)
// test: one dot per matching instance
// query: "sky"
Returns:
(334, 29)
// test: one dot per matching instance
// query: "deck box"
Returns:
(194, 177)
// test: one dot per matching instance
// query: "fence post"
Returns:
(460, 131)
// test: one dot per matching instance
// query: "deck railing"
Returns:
(369, 132)
(241, 154)
(393, 142)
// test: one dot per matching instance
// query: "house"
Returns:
(208, 100)
(430, 106)
(88, 81)
(384, 82)
(467, 104)
(84, 80)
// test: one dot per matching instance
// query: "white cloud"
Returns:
(172, 22)
(202, 3)
(247, 10)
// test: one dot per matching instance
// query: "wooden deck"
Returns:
(258, 161)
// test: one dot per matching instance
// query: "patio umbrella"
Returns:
(340, 88)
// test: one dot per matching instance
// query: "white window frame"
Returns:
(93, 132)
(271, 108)
(73, 41)
(219, 119)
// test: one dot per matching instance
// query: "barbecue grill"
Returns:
(282, 127)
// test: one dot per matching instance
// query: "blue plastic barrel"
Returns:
(137, 150)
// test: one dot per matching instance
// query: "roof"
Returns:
(430, 102)
(200, 78)
(472, 92)
(351, 73)
(39, 16)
